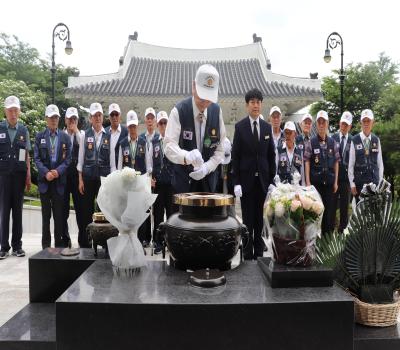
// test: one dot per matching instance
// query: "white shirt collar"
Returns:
(253, 120)
(129, 138)
(115, 131)
(363, 136)
(102, 130)
(150, 135)
(196, 110)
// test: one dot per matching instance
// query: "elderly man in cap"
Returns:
(194, 134)
(254, 168)
(305, 136)
(289, 157)
(52, 152)
(15, 175)
(321, 158)
(72, 185)
(117, 133)
(342, 195)
(93, 162)
(162, 175)
(365, 159)
(275, 118)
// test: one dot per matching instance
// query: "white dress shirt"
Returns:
(119, 167)
(113, 142)
(172, 134)
(252, 125)
(81, 156)
(352, 159)
(149, 151)
(79, 134)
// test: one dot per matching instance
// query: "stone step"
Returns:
(371, 338)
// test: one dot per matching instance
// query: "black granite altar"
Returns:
(32, 328)
(372, 338)
(158, 309)
(50, 273)
(283, 276)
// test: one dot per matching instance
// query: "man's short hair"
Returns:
(253, 94)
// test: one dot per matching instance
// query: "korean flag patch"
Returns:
(90, 139)
(43, 141)
(187, 135)
(126, 152)
(359, 146)
(3, 135)
(317, 151)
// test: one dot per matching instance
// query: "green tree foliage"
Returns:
(388, 105)
(363, 88)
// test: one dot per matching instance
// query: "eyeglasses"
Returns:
(162, 123)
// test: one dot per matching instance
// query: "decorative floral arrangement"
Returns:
(293, 216)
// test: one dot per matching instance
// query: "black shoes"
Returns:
(3, 255)
(19, 253)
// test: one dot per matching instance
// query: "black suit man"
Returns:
(254, 169)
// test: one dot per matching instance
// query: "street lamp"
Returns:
(334, 39)
(61, 32)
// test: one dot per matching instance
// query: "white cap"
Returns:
(162, 115)
(148, 111)
(52, 110)
(11, 102)
(347, 118)
(289, 126)
(275, 109)
(306, 116)
(95, 107)
(71, 111)
(113, 107)
(322, 114)
(367, 113)
(227, 151)
(131, 118)
(207, 82)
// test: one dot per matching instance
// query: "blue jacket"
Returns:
(42, 159)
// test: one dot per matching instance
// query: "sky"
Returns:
(293, 32)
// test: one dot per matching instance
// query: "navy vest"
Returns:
(74, 155)
(285, 169)
(187, 141)
(344, 157)
(301, 142)
(97, 161)
(366, 163)
(322, 162)
(162, 167)
(135, 161)
(9, 153)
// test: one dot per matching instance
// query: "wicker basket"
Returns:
(377, 315)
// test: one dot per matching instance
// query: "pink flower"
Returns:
(295, 205)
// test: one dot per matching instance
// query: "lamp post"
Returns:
(60, 31)
(334, 39)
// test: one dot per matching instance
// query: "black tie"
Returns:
(255, 132)
(341, 145)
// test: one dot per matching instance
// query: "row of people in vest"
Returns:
(337, 166)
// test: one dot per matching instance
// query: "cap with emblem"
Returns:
(275, 109)
(95, 107)
(162, 115)
(148, 111)
(71, 112)
(289, 126)
(113, 107)
(207, 82)
(367, 113)
(347, 118)
(132, 118)
(51, 111)
(306, 116)
(12, 102)
(323, 115)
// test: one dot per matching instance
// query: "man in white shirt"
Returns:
(365, 161)
(275, 118)
(93, 162)
(194, 133)
(117, 132)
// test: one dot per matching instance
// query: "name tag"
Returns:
(22, 155)
(317, 151)
(359, 146)
(43, 141)
(266, 137)
(90, 139)
(374, 150)
(187, 135)
(2, 136)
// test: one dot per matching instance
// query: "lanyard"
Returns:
(53, 143)
(133, 149)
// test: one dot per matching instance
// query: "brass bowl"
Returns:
(99, 217)
(203, 199)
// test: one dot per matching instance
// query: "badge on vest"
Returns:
(283, 158)
(106, 142)
(213, 132)
(43, 141)
(316, 160)
(317, 151)
(300, 146)
(126, 152)
(3, 135)
(359, 146)
(266, 137)
(90, 145)
(21, 138)
(188, 135)
(90, 139)
(157, 148)
(207, 142)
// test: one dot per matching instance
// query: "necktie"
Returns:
(200, 119)
(366, 145)
(255, 132)
(342, 145)
(52, 144)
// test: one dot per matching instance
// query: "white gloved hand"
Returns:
(238, 191)
(199, 173)
(195, 158)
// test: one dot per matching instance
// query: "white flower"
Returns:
(295, 205)
(317, 207)
(269, 211)
(279, 209)
(307, 202)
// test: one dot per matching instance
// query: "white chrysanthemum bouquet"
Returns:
(293, 215)
(124, 198)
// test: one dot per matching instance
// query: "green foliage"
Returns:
(33, 192)
(388, 105)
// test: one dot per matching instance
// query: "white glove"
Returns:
(199, 173)
(195, 158)
(238, 191)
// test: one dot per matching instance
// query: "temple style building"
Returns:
(159, 77)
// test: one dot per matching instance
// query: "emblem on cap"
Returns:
(209, 82)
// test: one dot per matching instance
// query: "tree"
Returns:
(388, 105)
(363, 87)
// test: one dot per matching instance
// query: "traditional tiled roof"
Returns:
(154, 77)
